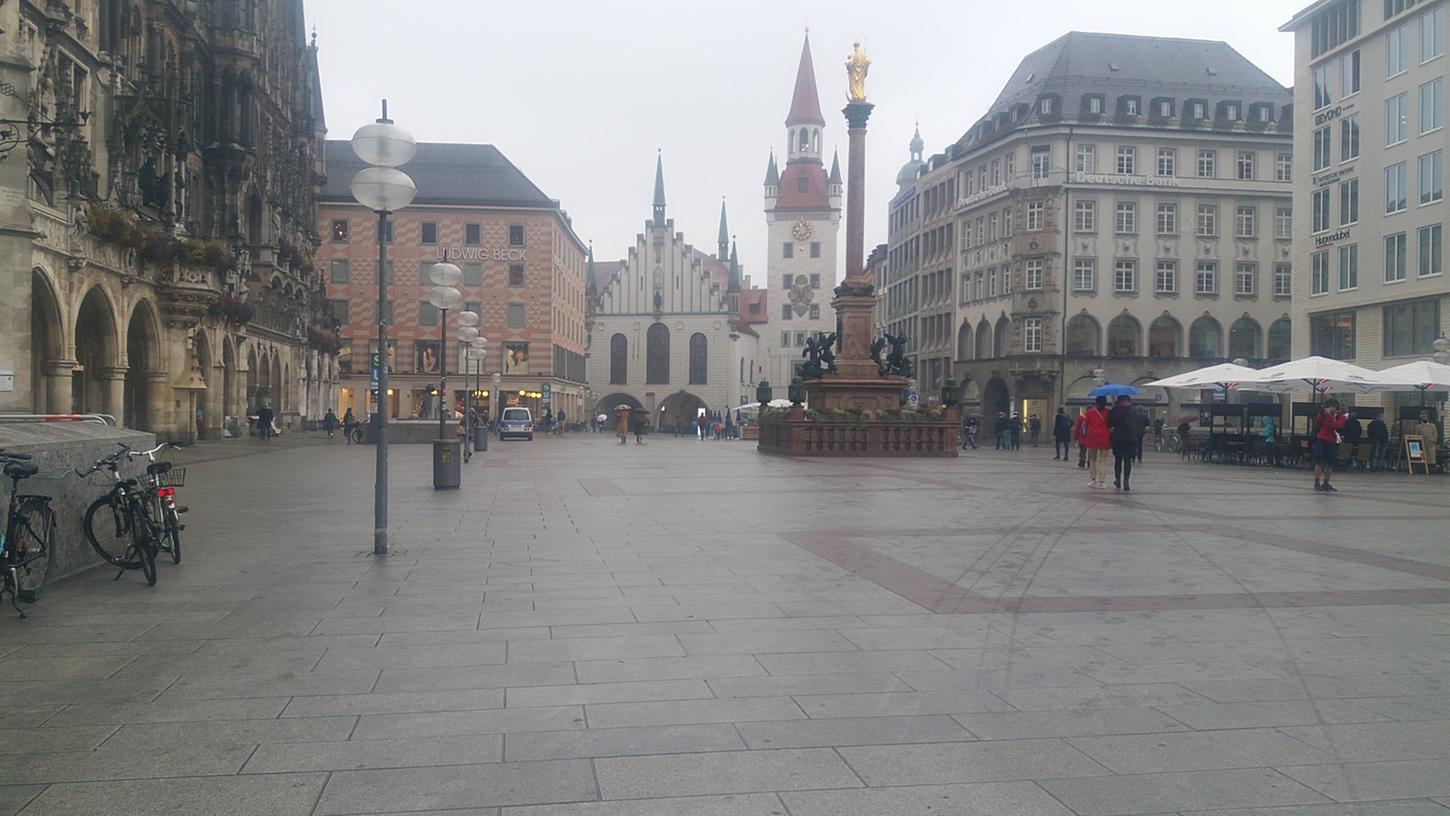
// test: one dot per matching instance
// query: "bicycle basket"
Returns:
(176, 477)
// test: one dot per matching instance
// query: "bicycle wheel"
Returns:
(109, 531)
(144, 537)
(173, 535)
(34, 553)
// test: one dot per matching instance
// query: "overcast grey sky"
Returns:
(580, 94)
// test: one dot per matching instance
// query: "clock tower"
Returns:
(802, 217)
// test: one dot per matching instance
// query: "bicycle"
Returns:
(357, 434)
(1167, 442)
(26, 557)
(163, 478)
(136, 528)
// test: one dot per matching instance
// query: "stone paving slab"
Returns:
(669, 630)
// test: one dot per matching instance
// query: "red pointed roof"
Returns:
(805, 103)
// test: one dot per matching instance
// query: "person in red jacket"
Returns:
(1325, 427)
(1098, 440)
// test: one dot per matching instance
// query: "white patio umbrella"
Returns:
(1321, 375)
(1224, 375)
(1423, 375)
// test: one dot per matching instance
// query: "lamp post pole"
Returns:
(384, 189)
(442, 372)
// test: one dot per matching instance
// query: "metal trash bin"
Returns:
(480, 437)
(447, 456)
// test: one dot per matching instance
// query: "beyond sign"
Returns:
(480, 254)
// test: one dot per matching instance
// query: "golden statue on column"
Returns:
(857, 66)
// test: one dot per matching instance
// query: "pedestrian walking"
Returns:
(1061, 434)
(1352, 433)
(637, 418)
(974, 426)
(1014, 430)
(349, 422)
(702, 426)
(1034, 429)
(1378, 434)
(1325, 428)
(1126, 426)
(264, 422)
(1099, 440)
(1079, 435)
(561, 420)
(329, 423)
(1004, 435)
(621, 423)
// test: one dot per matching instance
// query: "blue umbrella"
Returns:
(1113, 390)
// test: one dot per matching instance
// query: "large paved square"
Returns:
(692, 629)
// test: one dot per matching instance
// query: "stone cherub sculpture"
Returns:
(820, 356)
(896, 364)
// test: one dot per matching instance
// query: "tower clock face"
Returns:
(801, 230)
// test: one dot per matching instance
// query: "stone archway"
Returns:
(278, 398)
(96, 384)
(996, 399)
(228, 408)
(208, 402)
(143, 362)
(50, 372)
(678, 410)
(260, 380)
(607, 404)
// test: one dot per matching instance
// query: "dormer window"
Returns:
(1130, 106)
(1095, 104)
(1165, 108)
(1231, 112)
(1263, 113)
(1199, 109)
(1045, 106)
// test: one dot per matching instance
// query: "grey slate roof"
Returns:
(1078, 64)
(470, 174)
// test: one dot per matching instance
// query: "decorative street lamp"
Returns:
(444, 295)
(467, 336)
(478, 354)
(763, 394)
(384, 189)
(796, 391)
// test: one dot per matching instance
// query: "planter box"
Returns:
(800, 437)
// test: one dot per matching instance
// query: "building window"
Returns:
(1165, 277)
(1032, 335)
(339, 230)
(1432, 248)
(473, 274)
(1205, 338)
(815, 311)
(1198, 111)
(996, 172)
(1432, 104)
(1432, 170)
(338, 311)
(1125, 275)
(785, 339)
(1085, 216)
(429, 233)
(1205, 278)
(1395, 262)
(1246, 161)
(1207, 163)
(1167, 218)
(1246, 222)
(1041, 161)
(1332, 335)
(1283, 166)
(1349, 138)
(1397, 182)
(1349, 74)
(1006, 224)
(1319, 273)
(992, 282)
(816, 281)
(516, 235)
(1348, 267)
(785, 311)
(1127, 160)
(1032, 274)
(1348, 202)
(787, 250)
(472, 234)
(1231, 112)
(1323, 97)
(1095, 104)
(618, 359)
(475, 306)
(516, 319)
(1397, 51)
(1035, 210)
(787, 281)
(1432, 33)
(339, 269)
(1084, 274)
(1335, 24)
(427, 314)
(1411, 328)
(657, 354)
(1125, 218)
(1165, 108)
(1283, 279)
(1397, 119)
(1167, 161)
(800, 338)
(815, 249)
(516, 275)
(1319, 211)
(1283, 223)
(1086, 160)
(1246, 276)
(1207, 226)
(699, 359)
(1322, 151)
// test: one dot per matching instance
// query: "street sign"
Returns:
(375, 363)
(911, 397)
(548, 393)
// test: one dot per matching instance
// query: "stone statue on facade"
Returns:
(857, 66)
